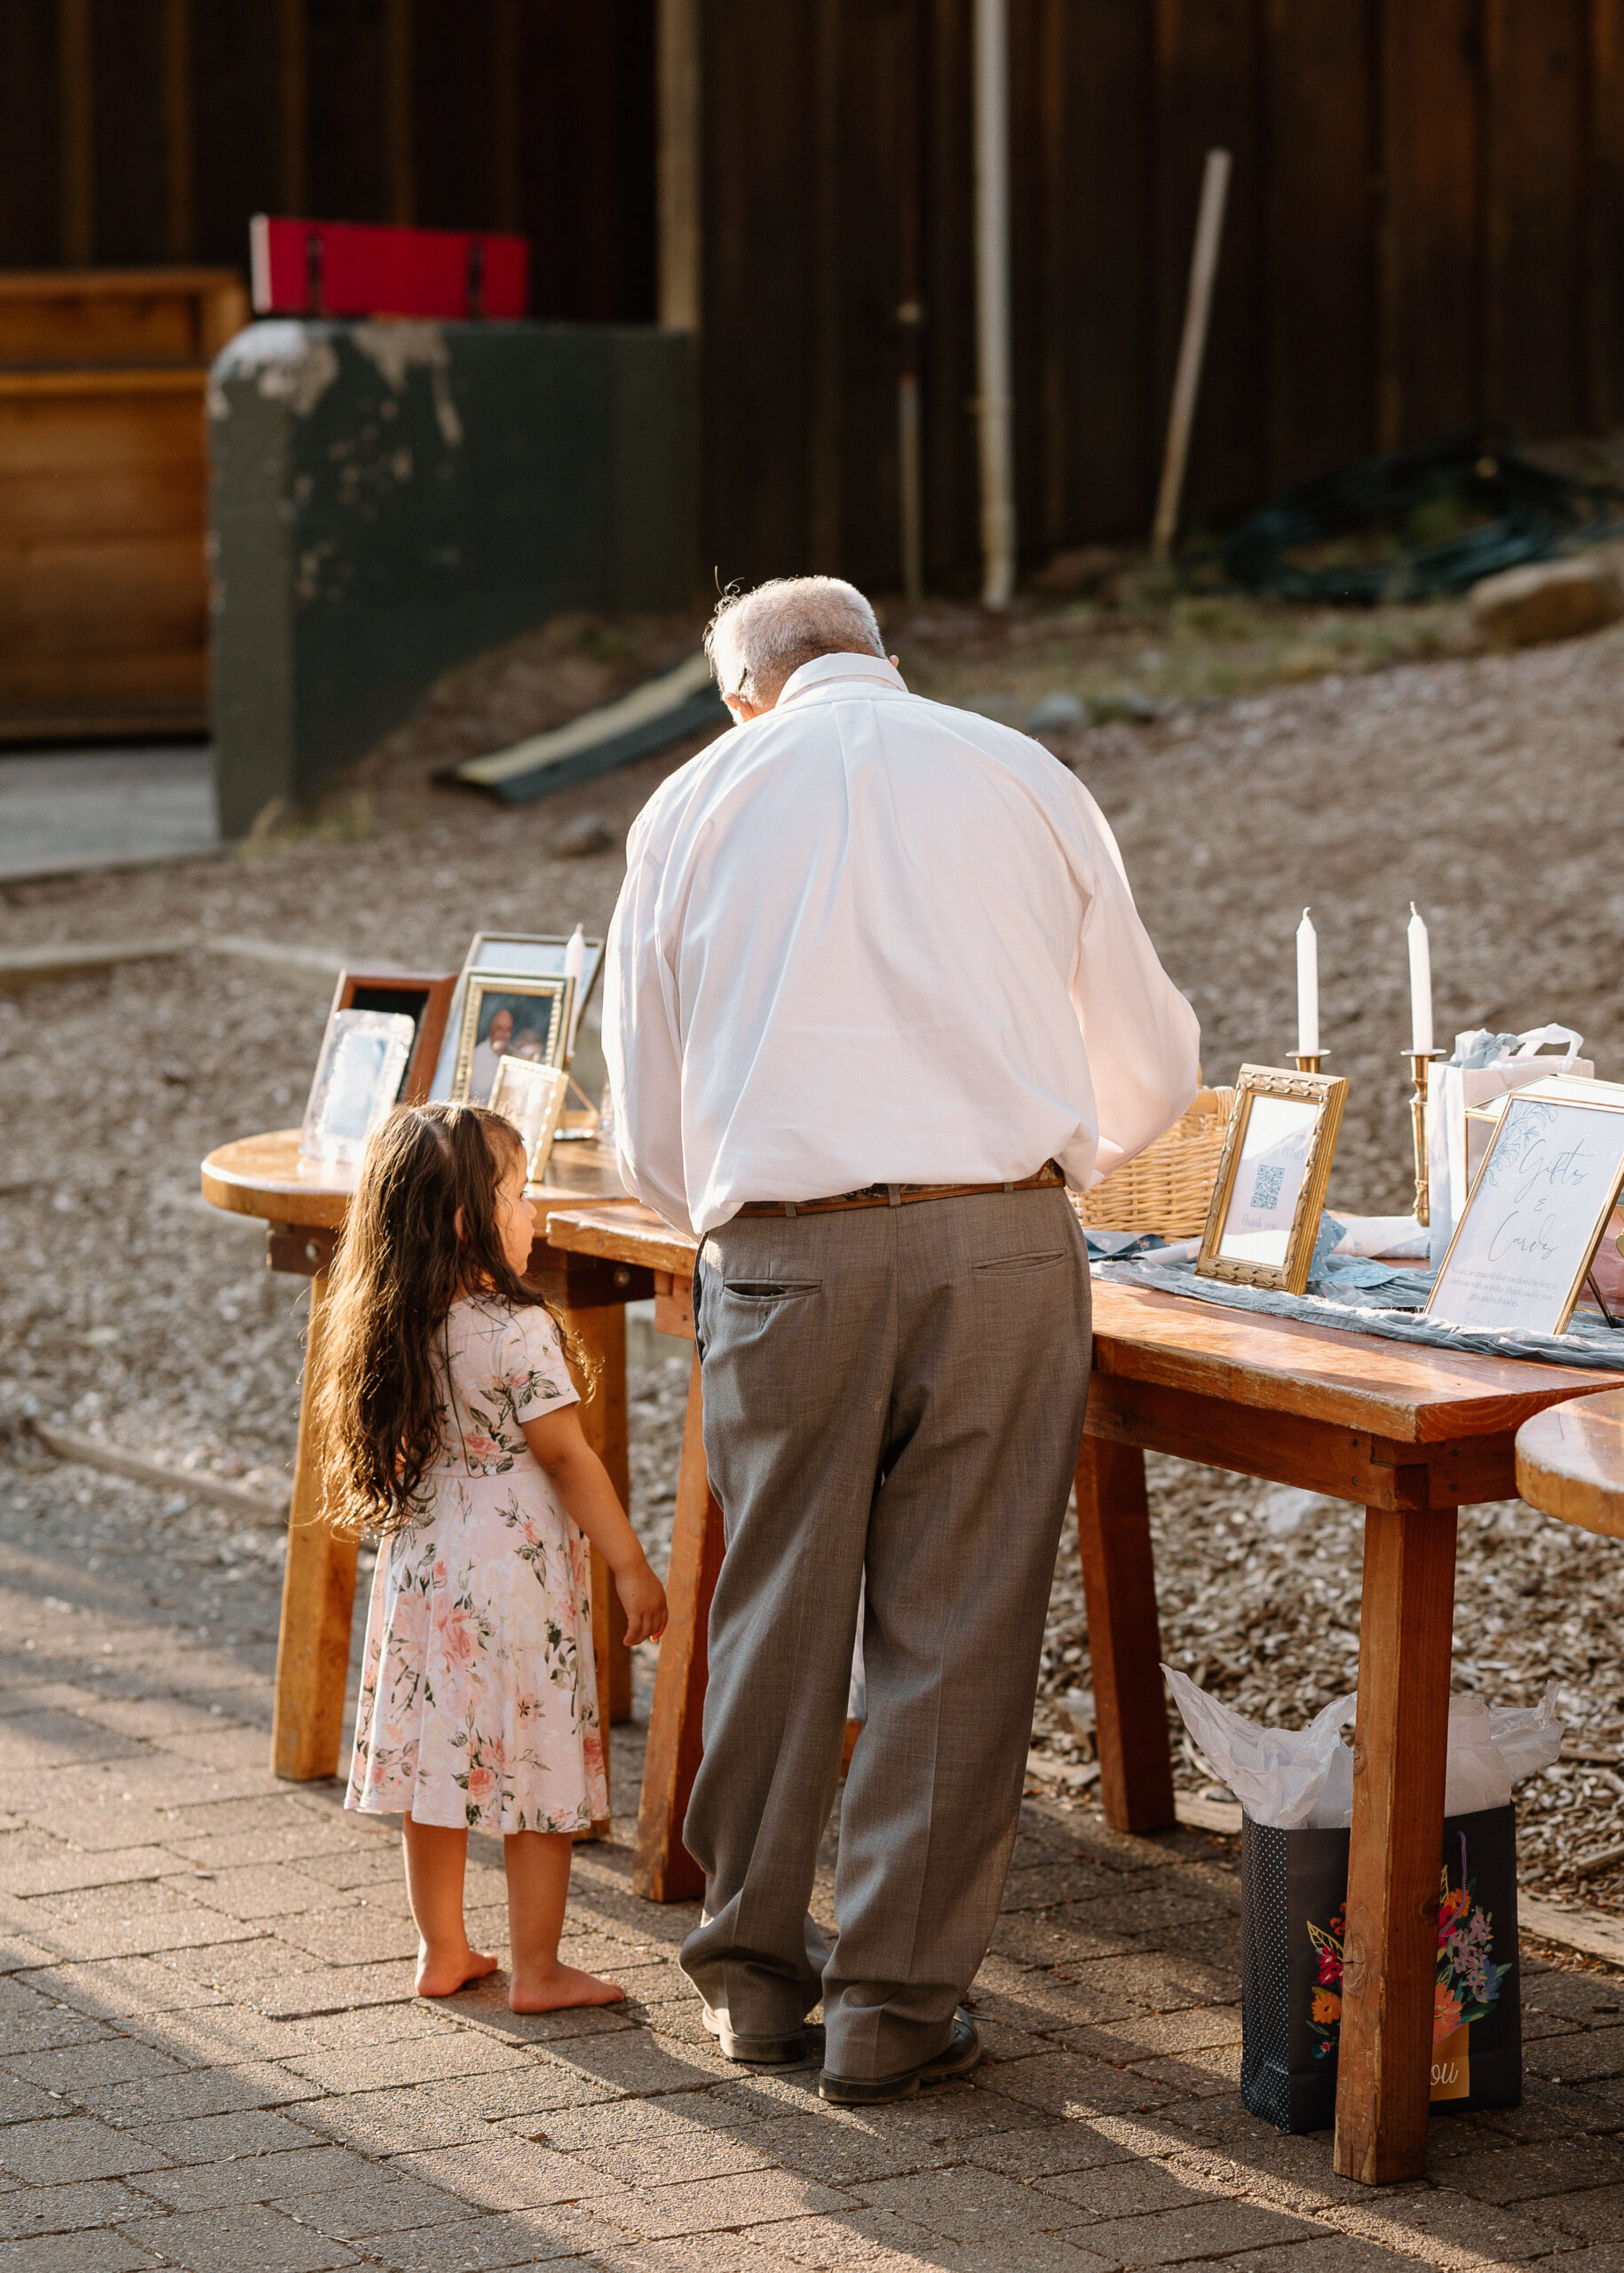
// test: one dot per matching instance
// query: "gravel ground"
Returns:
(1479, 785)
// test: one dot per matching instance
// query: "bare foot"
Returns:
(565, 1985)
(443, 1972)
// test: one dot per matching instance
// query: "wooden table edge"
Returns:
(1513, 1389)
(278, 1200)
(577, 1231)
(1593, 1502)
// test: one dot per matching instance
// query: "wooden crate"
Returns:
(103, 582)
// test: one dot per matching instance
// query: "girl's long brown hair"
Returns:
(398, 1266)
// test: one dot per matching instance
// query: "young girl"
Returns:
(451, 1427)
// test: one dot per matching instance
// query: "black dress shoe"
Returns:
(963, 2050)
(762, 2051)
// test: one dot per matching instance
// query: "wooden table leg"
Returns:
(662, 1869)
(312, 1651)
(1390, 1949)
(1118, 1584)
(600, 1332)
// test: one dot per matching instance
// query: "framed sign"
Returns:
(423, 996)
(1276, 1164)
(507, 1014)
(531, 1095)
(1544, 1196)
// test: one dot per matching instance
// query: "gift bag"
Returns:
(1293, 1901)
(1484, 1066)
(1296, 1790)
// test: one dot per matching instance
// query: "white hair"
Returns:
(755, 639)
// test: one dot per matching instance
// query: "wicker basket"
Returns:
(1167, 1188)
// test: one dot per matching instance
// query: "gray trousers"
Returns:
(897, 1392)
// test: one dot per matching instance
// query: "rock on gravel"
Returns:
(1551, 599)
(580, 838)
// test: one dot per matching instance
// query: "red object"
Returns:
(338, 268)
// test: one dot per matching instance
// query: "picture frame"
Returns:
(532, 1006)
(424, 997)
(364, 1057)
(532, 1097)
(1273, 1175)
(1482, 1120)
(1542, 1201)
(537, 953)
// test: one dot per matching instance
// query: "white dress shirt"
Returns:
(869, 939)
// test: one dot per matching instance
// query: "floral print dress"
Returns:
(479, 1700)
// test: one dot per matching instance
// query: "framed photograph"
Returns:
(423, 996)
(537, 954)
(364, 1055)
(1276, 1164)
(507, 1014)
(531, 1095)
(1543, 1200)
(540, 953)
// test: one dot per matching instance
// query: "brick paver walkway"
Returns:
(211, 2057)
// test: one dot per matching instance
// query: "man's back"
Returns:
(869, 937)
(875, 964)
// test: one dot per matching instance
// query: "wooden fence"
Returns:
(1425, 227)
(134, 131)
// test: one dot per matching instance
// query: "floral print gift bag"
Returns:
(1293, 1897)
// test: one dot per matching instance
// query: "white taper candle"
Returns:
(575, 963)
(1308, 989)
(1421, 984)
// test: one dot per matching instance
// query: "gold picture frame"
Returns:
(526, 954)
(1276, 1164)
(543, 1005)
(1539, 1207)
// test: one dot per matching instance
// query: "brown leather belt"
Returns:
(899, 1195)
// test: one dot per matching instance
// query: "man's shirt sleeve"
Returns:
(642, 1039)
(1142, 1037)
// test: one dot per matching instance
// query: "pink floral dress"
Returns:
(479, 1700)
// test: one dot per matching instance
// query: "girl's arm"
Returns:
(581, 1482)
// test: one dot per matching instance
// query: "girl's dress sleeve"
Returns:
(538, 1379)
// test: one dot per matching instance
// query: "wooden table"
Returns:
(1570, 1464)
(1409, 1432)
(304, 1205)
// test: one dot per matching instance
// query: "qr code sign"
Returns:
(1266, 1187)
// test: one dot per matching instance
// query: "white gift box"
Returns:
(1453, 1156)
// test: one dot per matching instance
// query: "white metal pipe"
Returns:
(996, 410)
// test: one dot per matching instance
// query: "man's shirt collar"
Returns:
(820, 677)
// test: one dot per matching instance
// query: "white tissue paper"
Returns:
(1287, 1776)
(1303, 1779)
(1396, 1238)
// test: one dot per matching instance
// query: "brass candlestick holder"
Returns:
(1307, 1061)
(1419, 1059)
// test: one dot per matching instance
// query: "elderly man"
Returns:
(877, 992)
